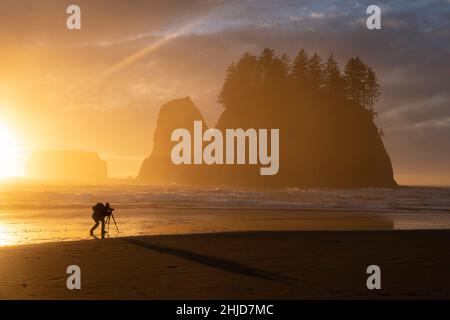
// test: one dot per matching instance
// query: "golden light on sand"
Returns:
(10, 153)
(5, 236)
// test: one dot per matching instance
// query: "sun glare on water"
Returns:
(10, 153)
(5, 236)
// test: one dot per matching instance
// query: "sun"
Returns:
(10, 153)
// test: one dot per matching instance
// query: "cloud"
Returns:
(410, 55)
(44, 21)
(435, 124)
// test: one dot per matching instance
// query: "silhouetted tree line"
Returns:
(270, 78)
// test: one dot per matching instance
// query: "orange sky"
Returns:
(99, 89)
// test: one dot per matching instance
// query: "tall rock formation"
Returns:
(323, 143)
(158, 167)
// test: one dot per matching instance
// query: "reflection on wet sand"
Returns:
(34, 226)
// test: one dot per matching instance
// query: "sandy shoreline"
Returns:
(248, 265)
(30, 227)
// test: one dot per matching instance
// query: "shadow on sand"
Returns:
(214, 262)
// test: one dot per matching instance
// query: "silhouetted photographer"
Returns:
(102, 214)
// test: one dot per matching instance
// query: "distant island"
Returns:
(327, 134)
(66, 165)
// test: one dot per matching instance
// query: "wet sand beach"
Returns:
(234, 265)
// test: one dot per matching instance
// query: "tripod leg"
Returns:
(115, 223)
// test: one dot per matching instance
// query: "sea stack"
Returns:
(66, 165)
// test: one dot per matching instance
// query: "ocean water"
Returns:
(44, 213)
